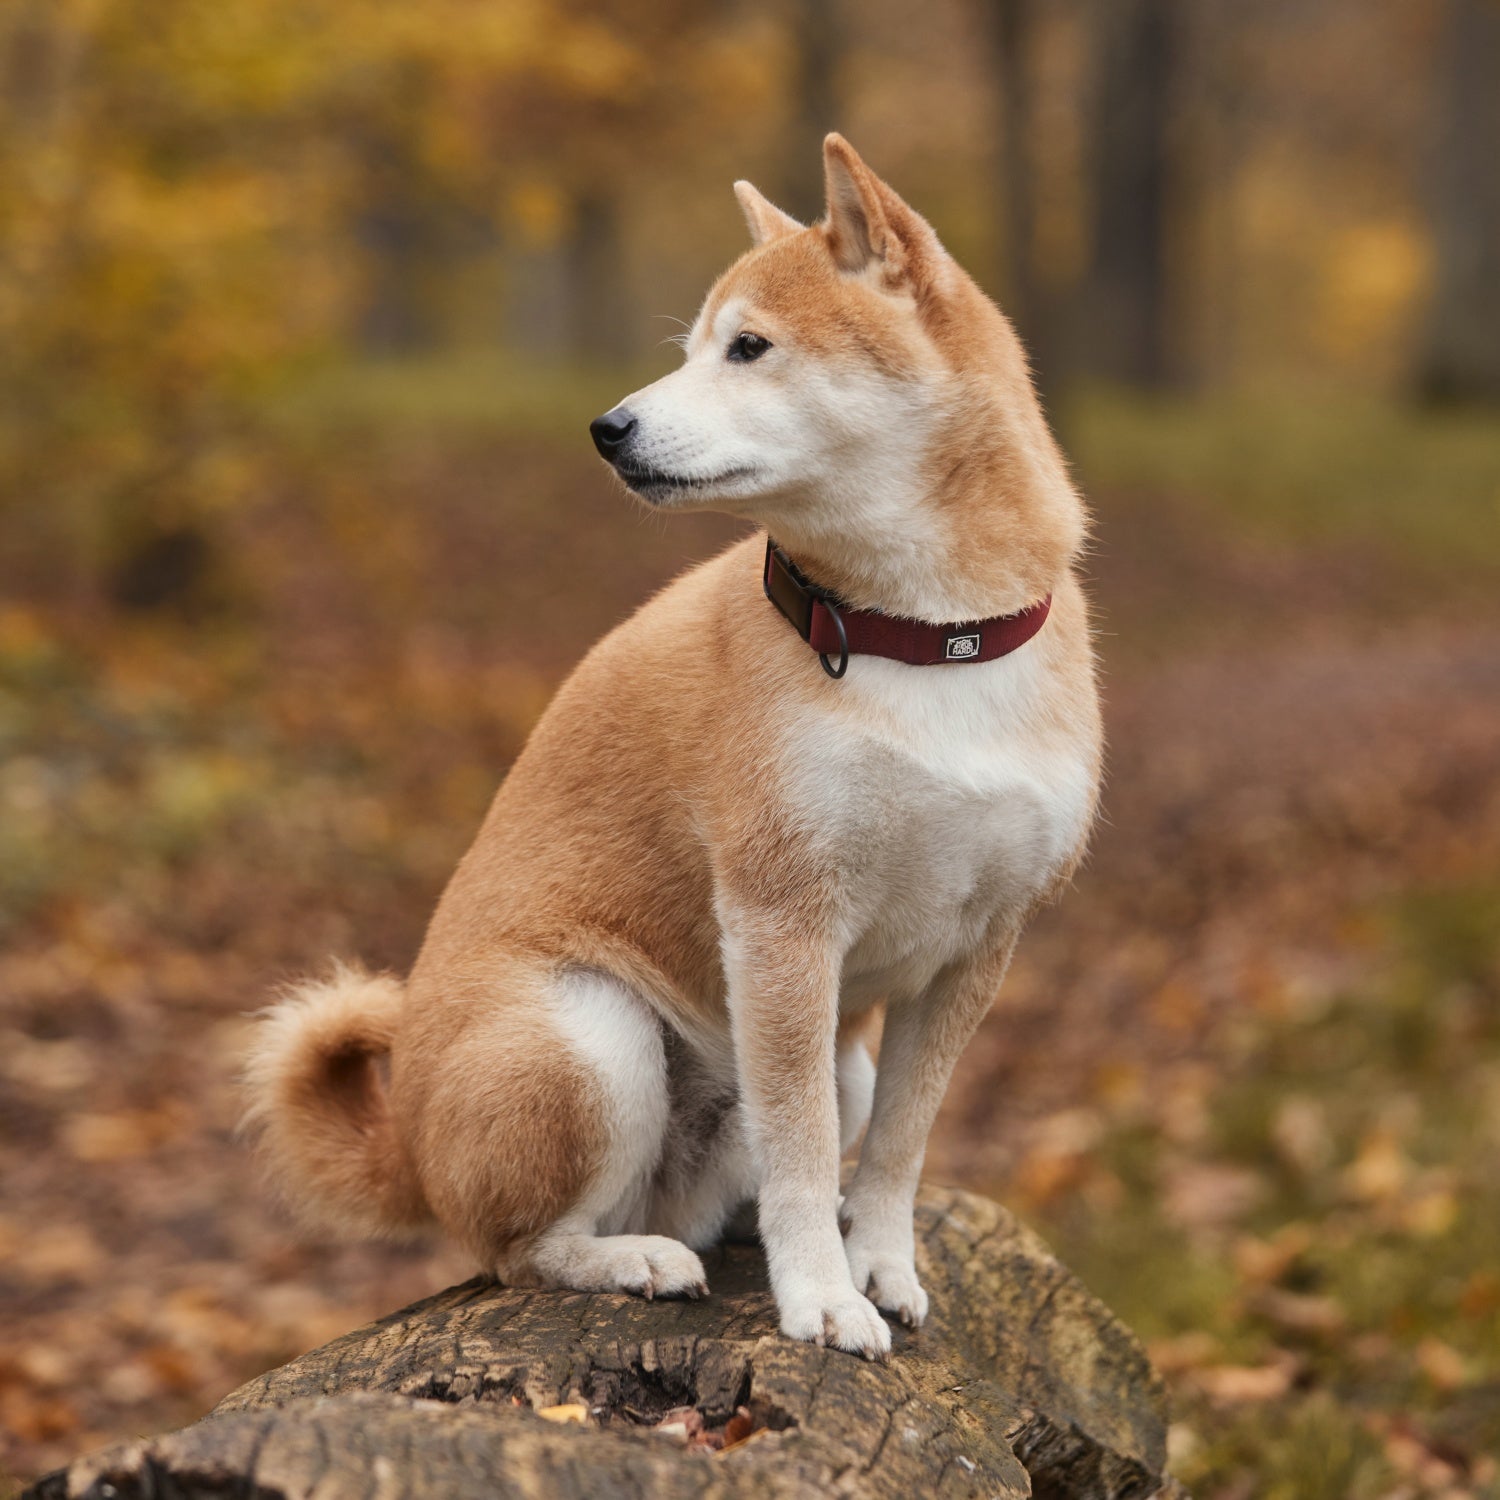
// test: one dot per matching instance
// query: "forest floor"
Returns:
(1245, 1075)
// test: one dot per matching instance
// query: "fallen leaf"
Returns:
(1301, 1136)
(1430, 1215)
(750, 1437)
(1380, 1170)
(1209, 1195)
(682, 1424)
(173, 1369)
(1265, 1262)
(56, 1254)
(35, 1418)
(738, 1427)
(1299, 1312)
(1176, 1007)
(1240, 1385)
(1481, 1295)
(568, 1411)
(119, 1136)
(1442, 1364)
(1187, 1351)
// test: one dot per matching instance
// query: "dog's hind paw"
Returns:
(645, 1265)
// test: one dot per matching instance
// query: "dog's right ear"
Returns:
(766, 221)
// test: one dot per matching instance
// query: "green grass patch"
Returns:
(470, 393)
(1361, 1135)
(1304, 468)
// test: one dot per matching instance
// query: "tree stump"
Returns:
(1021, 1383)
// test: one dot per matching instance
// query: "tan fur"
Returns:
(322, 1111)
(651, 832)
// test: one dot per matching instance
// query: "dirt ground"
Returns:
(1300, 742)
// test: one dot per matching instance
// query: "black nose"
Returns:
(612, 431)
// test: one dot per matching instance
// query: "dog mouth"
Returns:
(654, 484)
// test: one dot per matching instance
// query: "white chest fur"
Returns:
(950, 798)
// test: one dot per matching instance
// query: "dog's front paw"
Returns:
(888, 1280)
(841, 1320)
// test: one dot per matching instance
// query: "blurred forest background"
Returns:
(304, 308)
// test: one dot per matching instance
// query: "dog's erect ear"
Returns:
(766, 221)
(868, 223)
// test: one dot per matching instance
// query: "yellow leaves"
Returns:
(593, 60)
(186, 218)
(1373, 273)
(539, 211)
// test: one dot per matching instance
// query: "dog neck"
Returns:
(980, 529)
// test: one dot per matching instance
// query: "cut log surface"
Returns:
(1020, 1383)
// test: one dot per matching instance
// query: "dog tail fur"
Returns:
(320, 1109)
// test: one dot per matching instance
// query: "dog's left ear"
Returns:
(765, 220)
(869, 224)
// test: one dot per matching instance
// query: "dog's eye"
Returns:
(746, 346)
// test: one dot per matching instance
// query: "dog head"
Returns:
(836, 380)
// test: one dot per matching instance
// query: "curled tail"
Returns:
(321, 1110)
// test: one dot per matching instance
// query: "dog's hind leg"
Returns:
(547, 1168)
(618, 1039)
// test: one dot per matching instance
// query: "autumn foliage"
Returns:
(304, 308)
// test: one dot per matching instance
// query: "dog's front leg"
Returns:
(783, 1000)
(922, 1040)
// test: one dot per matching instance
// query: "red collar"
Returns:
(834, 630)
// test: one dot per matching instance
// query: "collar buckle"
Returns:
(788, 588)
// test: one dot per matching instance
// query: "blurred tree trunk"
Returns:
(391, 232)
(818, 41)
(569, 298)
(603, 324)
(393, 227)
(1131, 160)
(1461, 359)
(1011, 29)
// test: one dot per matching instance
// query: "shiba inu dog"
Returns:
(808, 782)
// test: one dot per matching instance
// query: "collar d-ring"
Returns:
(838, 621)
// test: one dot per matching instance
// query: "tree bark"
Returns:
(1020, 1384)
